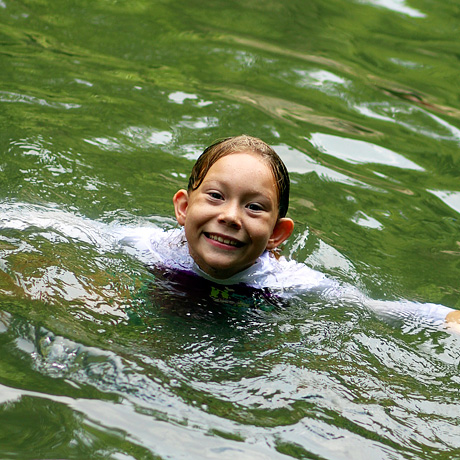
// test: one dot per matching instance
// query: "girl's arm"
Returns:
(434, 314)
(296, 276)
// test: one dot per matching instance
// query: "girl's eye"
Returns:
(255, 207)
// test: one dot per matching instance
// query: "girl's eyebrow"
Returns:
(223, 183)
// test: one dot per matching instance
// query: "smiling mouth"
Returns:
(224, 240)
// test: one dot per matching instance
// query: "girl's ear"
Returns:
(282, 231)
(180, 201)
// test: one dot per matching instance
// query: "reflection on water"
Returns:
(299, 162)
(452, 199)
(399, 6)
(410, 117)
(290, 112)
(360, 152)
(104, 107)
(366, 221)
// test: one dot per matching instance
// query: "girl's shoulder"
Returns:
(279, 273)
(154, 245)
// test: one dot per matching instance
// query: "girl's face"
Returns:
(232, 217)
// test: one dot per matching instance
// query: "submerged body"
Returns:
(268, 278)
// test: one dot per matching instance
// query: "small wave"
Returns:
(33, 100)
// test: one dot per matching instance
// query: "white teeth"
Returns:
(222, 240)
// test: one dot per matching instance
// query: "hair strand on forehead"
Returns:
(246, 144)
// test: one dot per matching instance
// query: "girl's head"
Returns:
(238, 144)
(235, 205)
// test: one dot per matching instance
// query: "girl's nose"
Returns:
(230, 215)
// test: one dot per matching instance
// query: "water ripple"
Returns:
(25, 99)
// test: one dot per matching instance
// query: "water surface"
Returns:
(104, 107)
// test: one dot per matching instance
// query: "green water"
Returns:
(104, 105)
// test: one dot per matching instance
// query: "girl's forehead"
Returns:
(245, 169)
(237, 165)
(244, 160)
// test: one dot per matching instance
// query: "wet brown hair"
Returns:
(239, 144)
